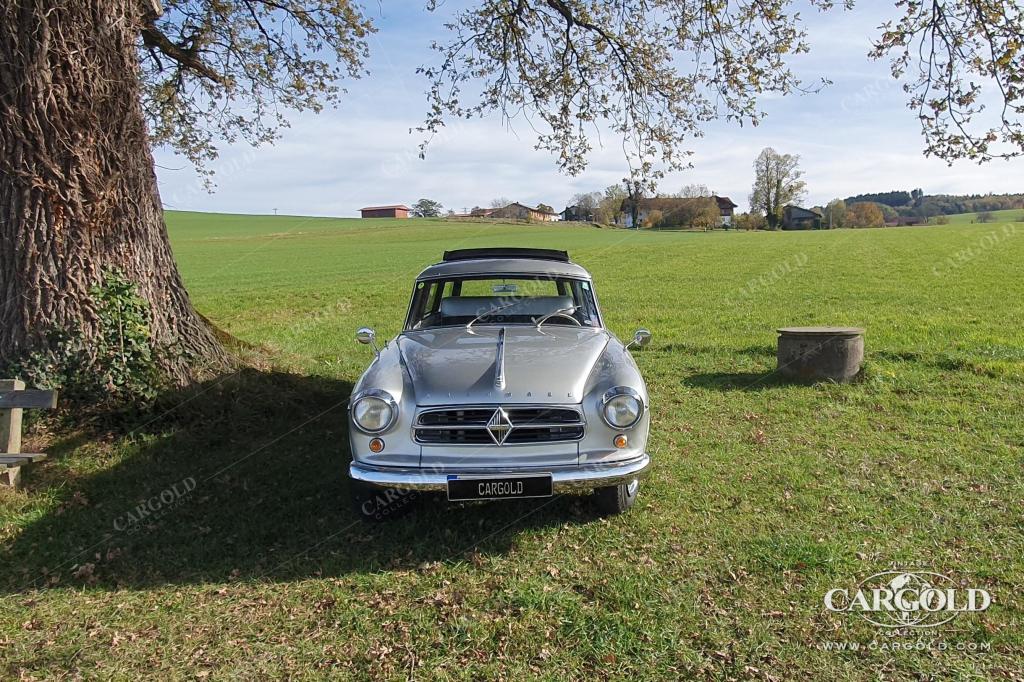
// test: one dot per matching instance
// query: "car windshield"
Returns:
(520, 299)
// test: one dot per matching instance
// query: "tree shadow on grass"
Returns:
(243, 478)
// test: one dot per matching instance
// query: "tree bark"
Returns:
(78, 191)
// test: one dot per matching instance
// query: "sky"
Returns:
(855, 136)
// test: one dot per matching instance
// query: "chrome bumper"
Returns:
(563, 479)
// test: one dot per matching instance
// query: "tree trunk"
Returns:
(78, 192)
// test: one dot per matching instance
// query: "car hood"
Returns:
(453, 366)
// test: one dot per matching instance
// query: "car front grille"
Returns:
(468, 425)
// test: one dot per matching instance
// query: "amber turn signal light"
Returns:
(620, 441)
(376, 444)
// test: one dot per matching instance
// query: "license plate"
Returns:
(464, 488)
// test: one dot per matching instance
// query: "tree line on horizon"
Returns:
(916, 203)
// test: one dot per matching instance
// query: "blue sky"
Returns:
(855, 136)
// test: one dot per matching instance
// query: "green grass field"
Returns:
(764, 495)
(1013, 215)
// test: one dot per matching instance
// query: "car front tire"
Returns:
(617, 499)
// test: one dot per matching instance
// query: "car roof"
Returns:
(502, 265)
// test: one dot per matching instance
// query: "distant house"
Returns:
(517, 211)
(725, 209)
(578, 213)
(573, 213)
(668, 205)
(796, 218)
(395, 211)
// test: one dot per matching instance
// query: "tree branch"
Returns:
(154, 38)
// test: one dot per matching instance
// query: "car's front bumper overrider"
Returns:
(563, 479)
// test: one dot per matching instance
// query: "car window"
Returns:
(509, 287)
(504, 300)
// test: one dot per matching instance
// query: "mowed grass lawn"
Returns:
(764, 495)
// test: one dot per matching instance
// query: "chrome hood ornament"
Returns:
(499, 362)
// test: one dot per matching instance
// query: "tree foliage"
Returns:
(834, 215)
(693, 191)
(700, 212)
(654, 71)
(865, 214)
(427, 208)
(231, 69)
(895, 198)
(918, 204)
(601, 207)
(610, 206)
(749, 221)
(956, 58)
(586, 204)
(777, 182)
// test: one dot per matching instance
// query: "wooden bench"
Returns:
(13, 399)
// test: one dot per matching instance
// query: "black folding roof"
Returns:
(503, 252)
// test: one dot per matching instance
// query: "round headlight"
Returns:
(622, 407)
(374, 412)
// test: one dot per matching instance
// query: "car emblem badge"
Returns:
(499, 426)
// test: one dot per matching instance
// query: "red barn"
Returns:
(397, 211)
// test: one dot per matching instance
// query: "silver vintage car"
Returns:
(504, 384)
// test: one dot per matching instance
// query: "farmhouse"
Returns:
(576, 213)
(517, 211)
(393, 211)
(796, 218)
(665, 207)
(725, 209)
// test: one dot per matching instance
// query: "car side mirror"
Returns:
(641, 339)
(367, 336)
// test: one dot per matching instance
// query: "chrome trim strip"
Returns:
(499, 362)
(381, 395)
(506, 444)
(481, 427)
(563, 479)
(508, 406)
(614, 393)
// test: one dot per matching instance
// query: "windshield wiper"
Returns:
(560, 313)
(497, 309)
